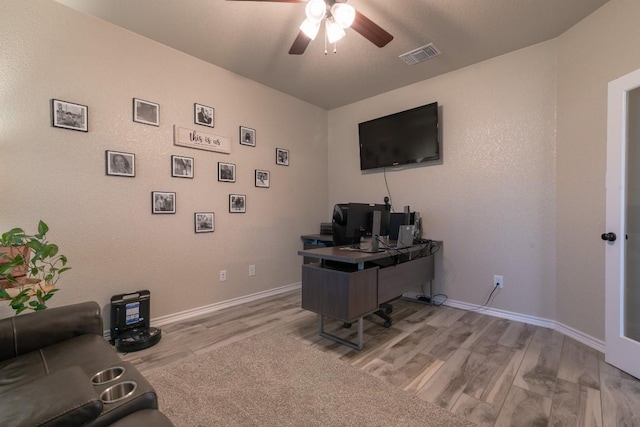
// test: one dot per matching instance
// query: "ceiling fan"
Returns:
(336, 16)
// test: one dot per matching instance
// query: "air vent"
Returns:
(420, 54)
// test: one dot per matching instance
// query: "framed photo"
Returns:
(237, 203)
(68, 115)
(163, 202)
(203, 115)
(247, 136)
(146, 112)
(262, 178)
(182, 167)
(120, 164)
(226, 172)
(204, 222)
(282, 157)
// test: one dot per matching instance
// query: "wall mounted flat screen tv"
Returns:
(409, 136)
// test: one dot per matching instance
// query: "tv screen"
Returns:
(409, 136)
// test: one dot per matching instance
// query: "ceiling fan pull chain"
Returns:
(335, 47)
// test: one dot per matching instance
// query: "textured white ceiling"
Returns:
(252, 38)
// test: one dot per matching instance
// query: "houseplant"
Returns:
(30, 267)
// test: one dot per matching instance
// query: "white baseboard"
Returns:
(585, 339)
(199, 311)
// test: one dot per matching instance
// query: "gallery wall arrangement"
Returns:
(72, 116)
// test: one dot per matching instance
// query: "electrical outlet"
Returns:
(498, 281)
(252, 270)
(223, 275)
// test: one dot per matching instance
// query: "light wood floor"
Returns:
(494, 372)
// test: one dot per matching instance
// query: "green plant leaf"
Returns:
(42, 228)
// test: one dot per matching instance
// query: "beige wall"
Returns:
(104, 224)
(512, 197)
(492, 200)
(601, 48)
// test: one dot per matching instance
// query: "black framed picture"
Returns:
(182, 167)
(118, 163)
(226, 172)
(262, 178)
(67, 115)
(204, 222)
(282, 157)
(247, 136)
(146, 112)
(203, 115)
(237, 203)
(163, 202)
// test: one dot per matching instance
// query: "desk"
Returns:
(313, 241)
(348, 285)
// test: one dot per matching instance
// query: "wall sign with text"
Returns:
(194, 138)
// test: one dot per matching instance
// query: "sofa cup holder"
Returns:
(108, 375)
(118, 392)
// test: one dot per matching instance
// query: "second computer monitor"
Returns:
(396, 220)
(360, 220)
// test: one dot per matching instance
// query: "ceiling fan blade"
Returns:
(370, 30)
(299, 44)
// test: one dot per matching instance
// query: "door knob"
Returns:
(611, 237)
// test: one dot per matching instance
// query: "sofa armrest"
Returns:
(64, 398)
(29, 332)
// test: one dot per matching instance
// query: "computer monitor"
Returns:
(355, 220)
(398, 219)
(360, 218)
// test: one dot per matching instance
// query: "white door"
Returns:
(622, 236)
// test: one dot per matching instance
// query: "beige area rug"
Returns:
(275, 380)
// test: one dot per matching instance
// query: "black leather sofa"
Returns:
(48, 365)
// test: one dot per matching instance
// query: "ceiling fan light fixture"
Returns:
(310, 28)
(316, 10)
(343, 14)
(334, 31)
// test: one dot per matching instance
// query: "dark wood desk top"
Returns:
(349, 256)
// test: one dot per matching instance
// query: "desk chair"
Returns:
(385, 310)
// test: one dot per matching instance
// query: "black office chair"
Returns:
(385, 309)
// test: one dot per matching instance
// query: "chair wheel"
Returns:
(346, 325)
(387, 324)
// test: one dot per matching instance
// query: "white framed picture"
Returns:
(120, 164)
(146, 112)
(262, 178)
(237, 203)
(204, 222)
(163, 202)
(67, 115)
(203, 115)
(182, 167)
(282, 157)
(226, 172)
(247, 136)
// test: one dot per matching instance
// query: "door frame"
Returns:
(620, 351)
